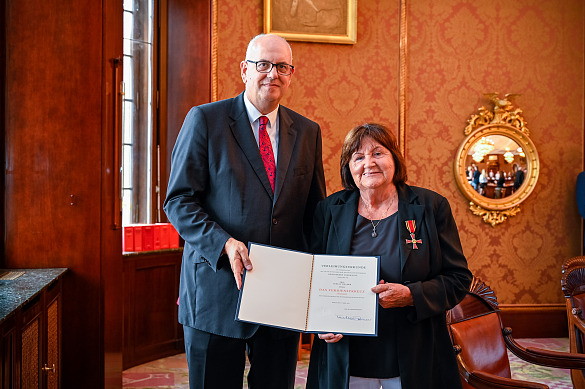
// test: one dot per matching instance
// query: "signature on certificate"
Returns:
(357, 318)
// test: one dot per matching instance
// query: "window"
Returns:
(140, 203)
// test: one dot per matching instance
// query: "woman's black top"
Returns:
(377, 357)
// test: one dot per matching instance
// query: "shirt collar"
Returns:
(254, 114)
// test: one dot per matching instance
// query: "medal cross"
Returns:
(414, 241)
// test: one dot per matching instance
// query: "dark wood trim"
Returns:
(111, 277)
(151, 288)
(188, 74)
(2, 124)
(162, 121)
(535, 320)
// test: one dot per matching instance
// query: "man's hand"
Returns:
(237, 253)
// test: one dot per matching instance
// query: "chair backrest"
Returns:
(573, 287)
(475, 326)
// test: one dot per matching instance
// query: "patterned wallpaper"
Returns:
(457, 50)
(336, 85)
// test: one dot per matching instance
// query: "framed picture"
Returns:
(329, 21)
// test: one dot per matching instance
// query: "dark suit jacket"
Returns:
(518, 178)
(218, 188)
(580, 192)
(476, 175)
(436, 274)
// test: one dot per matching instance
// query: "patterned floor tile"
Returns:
(554, 378)
(159, 374)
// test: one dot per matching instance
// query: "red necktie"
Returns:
(266, 151)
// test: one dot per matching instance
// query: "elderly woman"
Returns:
(423, 271)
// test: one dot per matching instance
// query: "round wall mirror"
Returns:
(497, 164)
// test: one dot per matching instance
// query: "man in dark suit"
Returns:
(581, 193)
(227, 188)
(518, 178)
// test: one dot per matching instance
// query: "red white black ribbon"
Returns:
(411, 227)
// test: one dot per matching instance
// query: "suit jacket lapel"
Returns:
(408, 210)
(287, 137)
(240, 127)
(343, 215)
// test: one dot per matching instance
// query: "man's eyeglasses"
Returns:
(283, 69)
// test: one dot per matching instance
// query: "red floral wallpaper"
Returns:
(336, 85)
(457, 51)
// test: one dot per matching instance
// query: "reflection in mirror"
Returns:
(495, 166)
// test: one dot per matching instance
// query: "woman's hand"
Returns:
(393, 295)
(331, 338)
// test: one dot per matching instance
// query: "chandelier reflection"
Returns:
(508, 156)
(482, 148)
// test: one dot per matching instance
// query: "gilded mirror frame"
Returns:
(507, 121)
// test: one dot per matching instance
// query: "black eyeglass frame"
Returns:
(292, 68)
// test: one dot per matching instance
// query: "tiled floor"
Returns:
(171, 372)
(554, 378)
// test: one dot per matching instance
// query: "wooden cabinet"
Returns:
(151, 288)
(30, 336)
(41, 341)
(8, 350)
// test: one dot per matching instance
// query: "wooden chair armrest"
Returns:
(483, 380)
(542, 357)
(577, 321)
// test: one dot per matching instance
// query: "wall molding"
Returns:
(535, 320)
(402, 79)
(214, 86)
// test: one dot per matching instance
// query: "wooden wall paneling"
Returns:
(164, 154)
(2, 121)
(151, 287)
(53, 156)
(128, 298)
(55, 180)
(188, 72)
(111, 307)
(535, 320)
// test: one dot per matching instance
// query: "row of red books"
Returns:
(148, 237)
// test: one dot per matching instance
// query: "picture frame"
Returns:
(325, 21)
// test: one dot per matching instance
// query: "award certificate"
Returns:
(310, 293)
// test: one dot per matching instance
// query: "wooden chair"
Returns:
(481, 342)
(573, 286)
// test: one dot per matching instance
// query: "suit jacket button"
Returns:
(274, 221)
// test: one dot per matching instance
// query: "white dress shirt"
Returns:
(271, 127)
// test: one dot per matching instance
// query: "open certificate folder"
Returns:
(310, 293)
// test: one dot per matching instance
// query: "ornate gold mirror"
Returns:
(497, 165)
